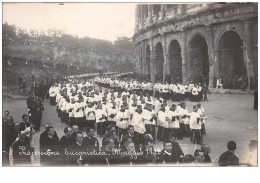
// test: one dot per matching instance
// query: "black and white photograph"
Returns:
(95, 84)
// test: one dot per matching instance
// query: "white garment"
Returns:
(99, 114)
(122, 115)
(110, 111)
(90, 113)
(174, 123)
(138, 123)
(194, 118)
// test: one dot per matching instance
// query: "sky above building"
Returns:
(96, 20)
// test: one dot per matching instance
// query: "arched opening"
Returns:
(175, 62)
(199, 60)
(232, 68)
(156, 8)
(148, 54)
(159, 61)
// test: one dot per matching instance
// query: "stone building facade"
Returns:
(188, 40)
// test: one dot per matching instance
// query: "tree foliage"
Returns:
(56, 46)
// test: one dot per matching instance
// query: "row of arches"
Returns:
(230, 59)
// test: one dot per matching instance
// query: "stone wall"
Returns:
(209, 22)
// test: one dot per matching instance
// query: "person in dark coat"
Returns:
(4, 120)
(44, 133)
(25, 123)
(130, 136)
(22, 150)
(148, 156)
(8, 137)
(49, 144)
(73, 153)
(229, 158)
(75, 129)
(176, 150)
(35, 109)
(67, 140)
(90, 141)
(111, 134)
(167, 156)
(64, 143)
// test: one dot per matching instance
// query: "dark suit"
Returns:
(207, 158)
(228, 158)
(91, 143)
(46, 144)
(19, 157)
(167, 158)
(64, 143)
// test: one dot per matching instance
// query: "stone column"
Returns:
(152, 61)
(136, 59)
(210, 33)
(165, 62)
(181, 8)
(139, 59)
(150, 13)
(249, 50)
(136, 15)
(162, 12)
(184, 58)
(142, 15)
(144, 58)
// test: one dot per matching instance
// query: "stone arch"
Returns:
(231, 60)
(220, 32)
(175, 61)
(177, 38)
(199, 59)
(159, 61)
